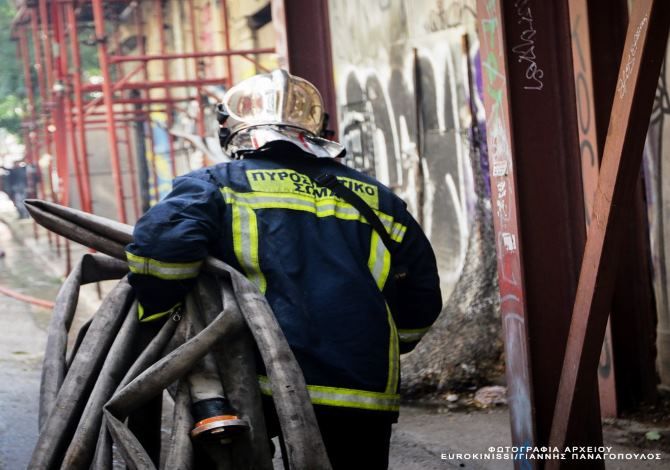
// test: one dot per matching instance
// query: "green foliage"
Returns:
(9, 118)
(12, 89)
(12, 83)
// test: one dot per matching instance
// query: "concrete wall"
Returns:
(413, 138)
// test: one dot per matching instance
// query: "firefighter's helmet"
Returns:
(270, 107)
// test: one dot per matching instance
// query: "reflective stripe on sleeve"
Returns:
(344, 397)
(163, 270)
(155, 316)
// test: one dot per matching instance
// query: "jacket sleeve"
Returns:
(417, 300)
(170, 243)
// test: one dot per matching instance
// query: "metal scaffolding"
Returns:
(66, 108)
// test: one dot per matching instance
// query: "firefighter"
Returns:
(349, 298)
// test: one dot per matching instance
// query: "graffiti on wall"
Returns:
(656, 177)
(402, 84)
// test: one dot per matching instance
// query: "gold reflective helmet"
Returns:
(274, 106)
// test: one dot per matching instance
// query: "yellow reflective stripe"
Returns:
(394, 356)
(398, 232)
(245, 244)
(292, 182)
(155, 316)
(163, 270)
(345, 397)
(323, 207)
(379, 261)
(410, 336)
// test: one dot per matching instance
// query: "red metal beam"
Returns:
(157, 84)
(130, 157)
(588, 146)
(226, 38)
(47, 98)
(117, 112)
(514, 311)
(646, 42)
(101, 37)
(63, 115)
(116, 87)
(139, 27)
(28, 80)
(158, 5)
(87, 200)
(39, 72)
(143, 101)
(633, 314)
(115, 59)
(537, 203)
(200, 118)
(46, 42)
(37, 52)
(307, 51)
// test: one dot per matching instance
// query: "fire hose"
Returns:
(26, 298)
(90, 394)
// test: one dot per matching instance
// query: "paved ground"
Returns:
(22, 341)
(419, 441)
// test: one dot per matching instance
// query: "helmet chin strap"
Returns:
(326, 133)
(224, 133)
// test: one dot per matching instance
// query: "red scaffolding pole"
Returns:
(158, 4)
(139, 29)
(67, 107)
(41, 31)
(101, 39)
(130, 157)
(200, 118)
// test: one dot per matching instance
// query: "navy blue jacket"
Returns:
(325, 272)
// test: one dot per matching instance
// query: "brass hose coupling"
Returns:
(216, 420)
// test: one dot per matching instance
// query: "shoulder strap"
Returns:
(327, 180)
